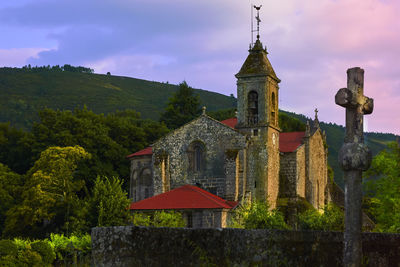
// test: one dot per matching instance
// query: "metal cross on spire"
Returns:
(258, 20)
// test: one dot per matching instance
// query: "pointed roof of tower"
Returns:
(257, 63)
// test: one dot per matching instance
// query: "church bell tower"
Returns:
(257, 92)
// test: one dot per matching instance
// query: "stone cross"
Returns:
(354, 157)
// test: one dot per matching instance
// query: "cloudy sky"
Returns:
(311, 44)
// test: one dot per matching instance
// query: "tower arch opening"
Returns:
(252, 108)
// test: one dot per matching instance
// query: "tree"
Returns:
(107, 138)
(15, 148)
(108, 205)
(10, 191)
(384, 189)
(49, 196)
(182, 107)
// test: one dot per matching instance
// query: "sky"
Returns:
(311, 44)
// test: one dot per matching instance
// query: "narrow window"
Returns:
(252, 108)
(196, 154)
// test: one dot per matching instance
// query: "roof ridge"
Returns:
(214, 198)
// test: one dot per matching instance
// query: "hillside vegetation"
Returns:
(23, 92)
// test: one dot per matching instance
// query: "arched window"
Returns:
(196, 154)
(145, 182)
(252, 107)
(273, 108)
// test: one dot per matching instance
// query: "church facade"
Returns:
(247, 158)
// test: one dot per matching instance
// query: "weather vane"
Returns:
(258, 22)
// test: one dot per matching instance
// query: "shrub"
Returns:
(159, 219)
(168, 219)
(45, 250)
(28, 257)
(256, 215)
(141, 219)
(8, 247)
(65, 247)
(8, 253)
(331, 219)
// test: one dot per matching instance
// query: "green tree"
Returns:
(108, 205)
(10, 191)
(384, 189)
(15, 148)
(49, 195)
(182, 107)
(107, 138)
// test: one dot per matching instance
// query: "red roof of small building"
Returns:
(184, 197)
(289, 142)
(146, 151)
(230, 122)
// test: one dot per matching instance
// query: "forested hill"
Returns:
(25, 91)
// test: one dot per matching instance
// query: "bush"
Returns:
(8, 253)
(8, 247)
(331, 219)
(159, 219)
(45, 250)
(256, 215)
(67, 247)
(168, 219)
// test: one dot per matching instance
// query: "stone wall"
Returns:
(141, 178)
(217, 139)
(141, 246)
(318, 173)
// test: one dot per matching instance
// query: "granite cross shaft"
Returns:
(354, 157)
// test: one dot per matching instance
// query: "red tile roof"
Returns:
(146, 151)
(230, 122)
(184, 197)
(289, 142)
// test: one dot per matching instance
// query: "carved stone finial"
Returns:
(307, 133)
(316, 121)
(204, 110)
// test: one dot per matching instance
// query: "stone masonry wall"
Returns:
(273, 166)
(301, 171)
(318, 174)
(216, 139)
(292, 173)
(138, 166)
(141, 246)
(288, 170)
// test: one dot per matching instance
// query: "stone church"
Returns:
(245, 158)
